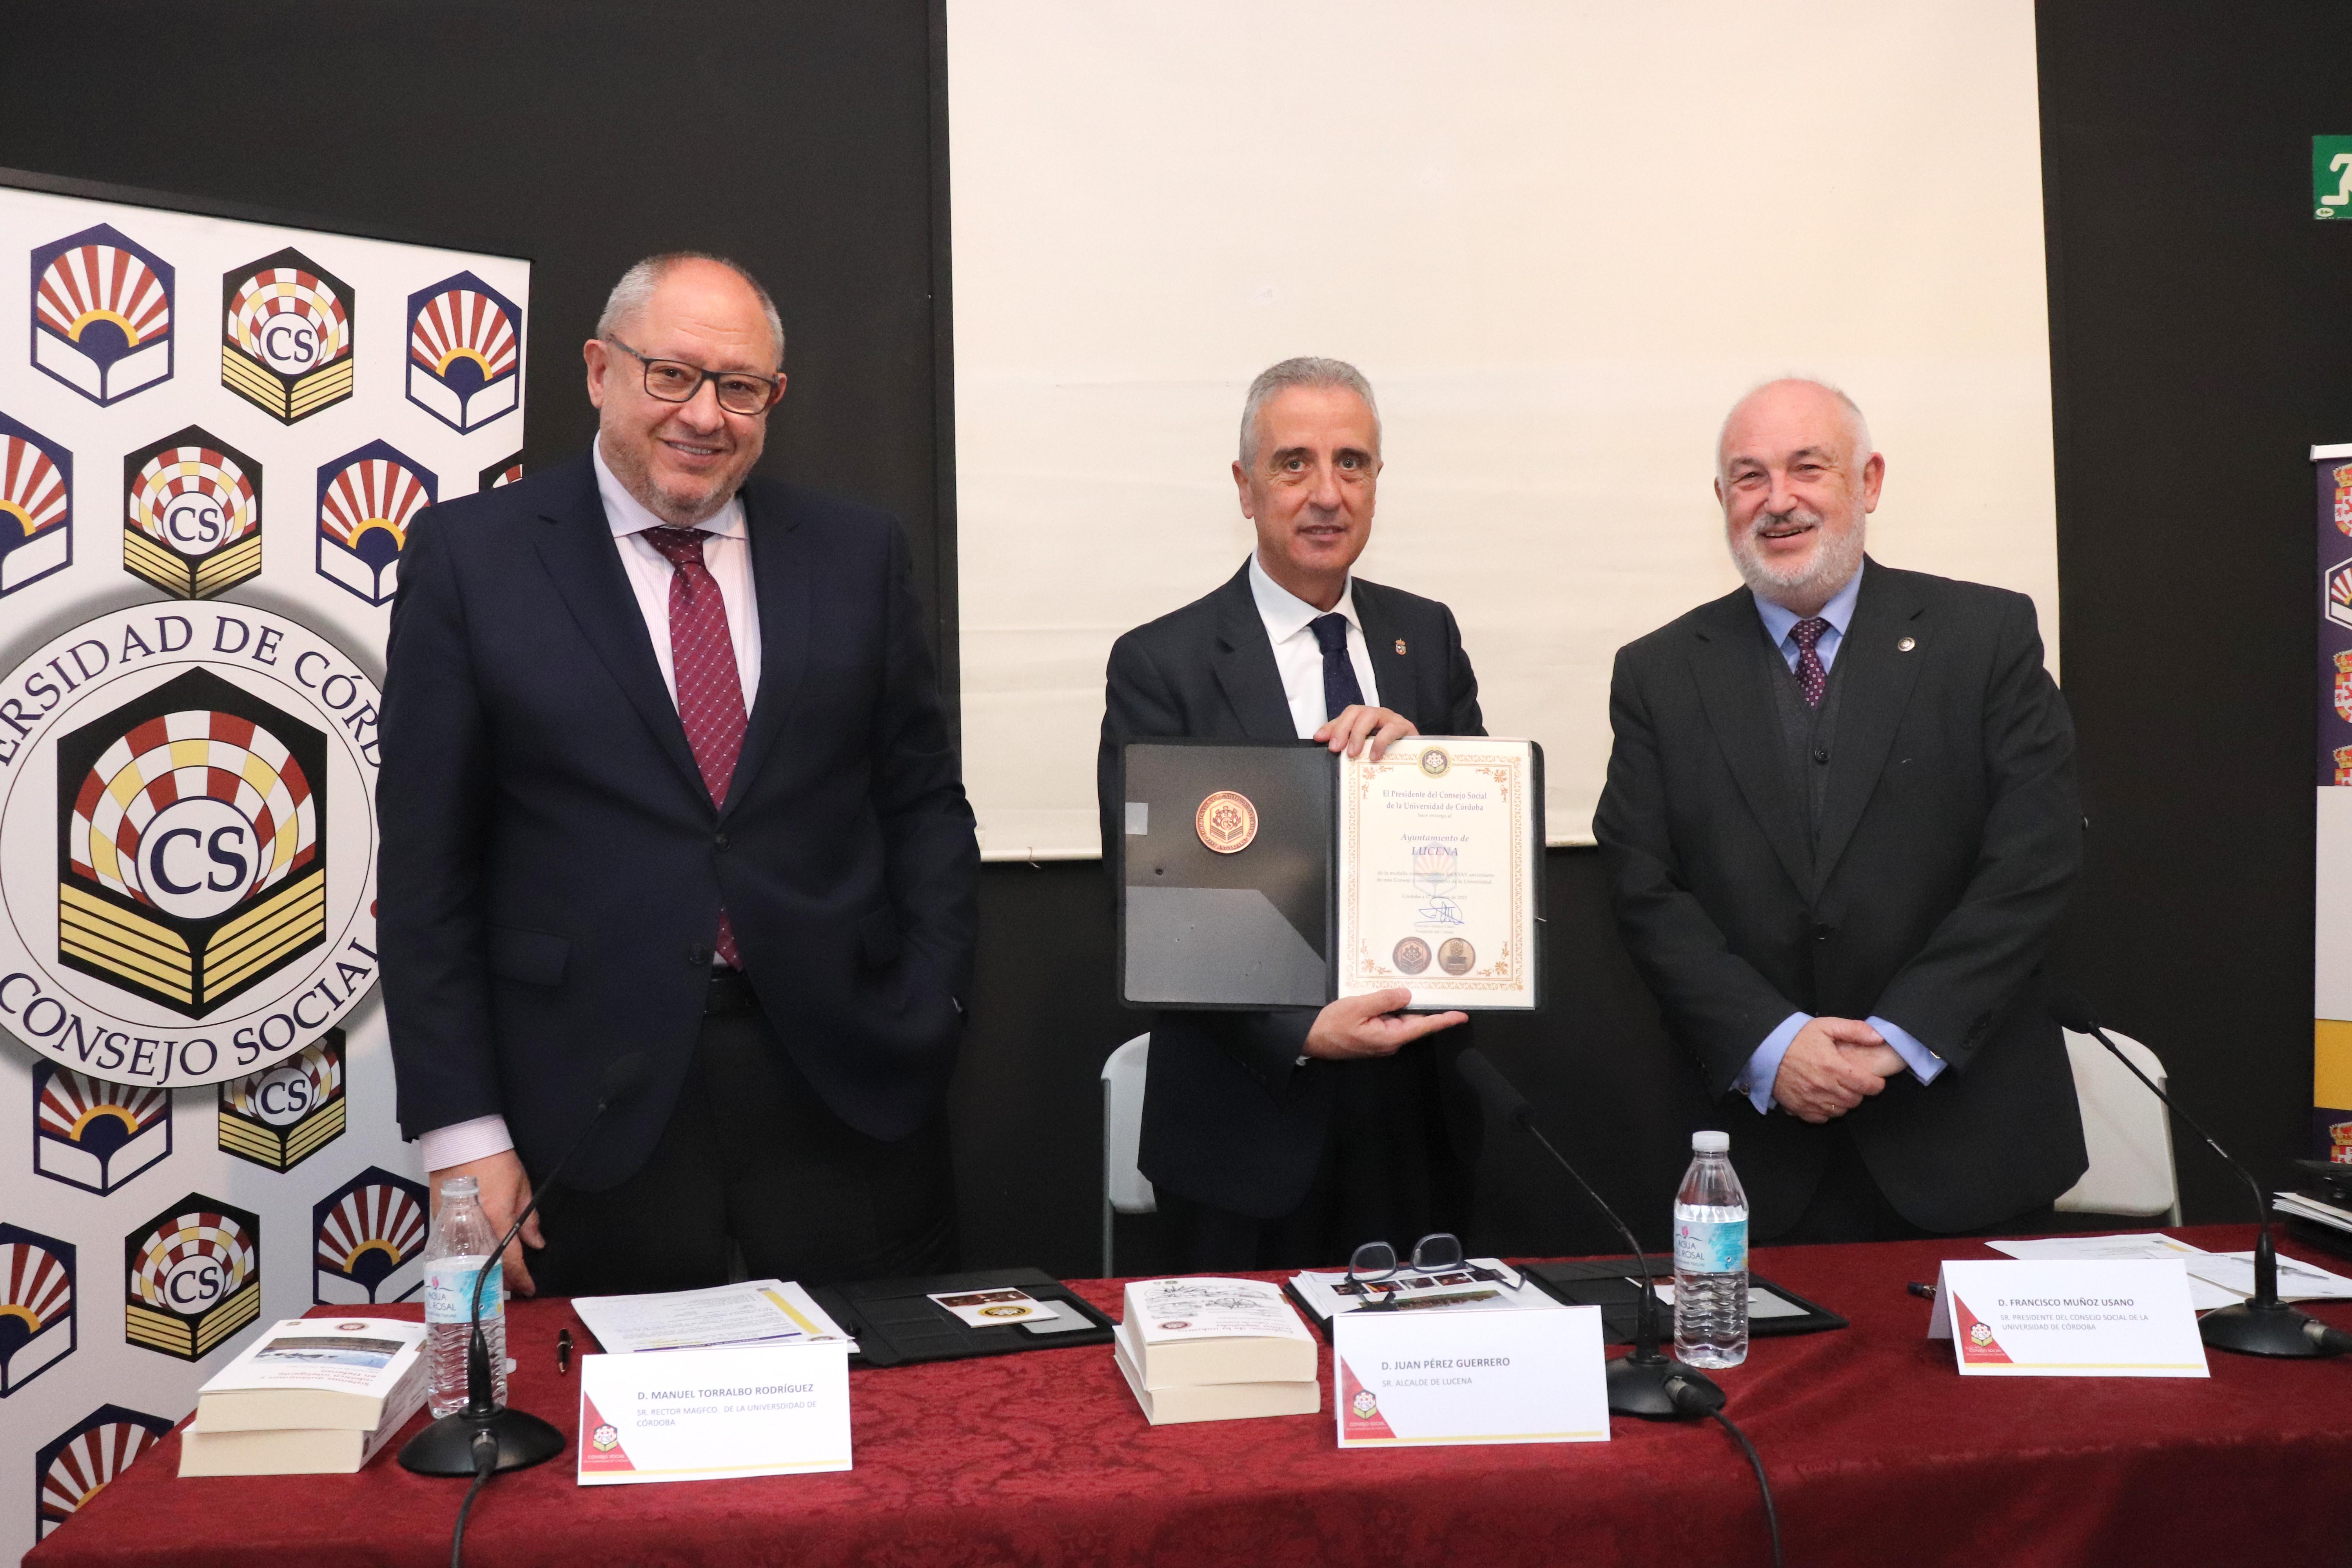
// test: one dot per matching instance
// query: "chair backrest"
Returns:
(2126, 1131)
(1124, 1187)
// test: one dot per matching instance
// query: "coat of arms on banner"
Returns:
(103, 314)
(37, 1316)
(196, 1277)
(192, 523)
(71, 1467)
(2342, 476)
(366, 501)
(505, 472)
(2344, 687)
(187, 844)
(369, 1240)
(286, 339)
(96, 1135)
(282, 1116)
(464, 352)
(35, 506)
(192, 867)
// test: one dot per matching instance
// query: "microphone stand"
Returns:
(2262, 1324)
(1649, 1383)
(463, 1442)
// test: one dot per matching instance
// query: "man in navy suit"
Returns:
(1287, 1139)
(666, 771)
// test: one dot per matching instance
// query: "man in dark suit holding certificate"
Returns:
(1840, 826)
(1286, 1138)
(664, 772)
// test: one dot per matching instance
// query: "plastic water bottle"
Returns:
(1710, 1257)
(461, 1247)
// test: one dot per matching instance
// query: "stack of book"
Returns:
(311, 1396)
(1215, 1349)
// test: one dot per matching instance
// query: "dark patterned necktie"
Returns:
(1811, 674)
(1340, 688)
(710, 689)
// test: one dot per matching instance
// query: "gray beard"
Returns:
(1834, 562)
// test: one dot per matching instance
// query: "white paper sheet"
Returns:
(756, 1311)
(2203, 1294)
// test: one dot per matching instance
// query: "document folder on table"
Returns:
(1277, 873)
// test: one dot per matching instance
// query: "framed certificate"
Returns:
(1439, 869)
(1274, 874)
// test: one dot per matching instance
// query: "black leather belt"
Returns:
(730, 992)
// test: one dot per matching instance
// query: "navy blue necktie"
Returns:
(1340, 688)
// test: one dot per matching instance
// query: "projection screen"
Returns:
(1559, 237)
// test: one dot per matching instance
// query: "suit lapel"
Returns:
(580, 557)
(1739, 709)
(1394, 672)
(779, 580)
(1875, 674)
(1244, 664)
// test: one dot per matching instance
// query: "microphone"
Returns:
(463, 1442)
(2263, 1325)
(1649, 1383)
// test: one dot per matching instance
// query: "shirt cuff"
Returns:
(462, 1143)
(1924, 1063)
(1764, 1066)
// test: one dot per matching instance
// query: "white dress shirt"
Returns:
(728, 555)
(1764, 1066)
(1299, 656)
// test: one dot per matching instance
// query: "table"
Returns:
(1879, 1453)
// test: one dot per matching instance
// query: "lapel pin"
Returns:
(1907, 645)
(1400, 644)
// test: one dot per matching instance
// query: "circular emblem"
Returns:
(606, 1438)
(1179, 1323)
(1979, 1335)
(1226, 822)
(1412, 955)
(196, 496)
(187, 848)
(1006, 1311)
(1455, 956)
(1364, 1405)
(1435, 762)
(1907, 645)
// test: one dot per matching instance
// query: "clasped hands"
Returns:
(1832, 1065)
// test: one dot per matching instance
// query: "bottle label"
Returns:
(1710, 1246)
(449, 1291)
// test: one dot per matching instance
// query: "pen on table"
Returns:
(563, 1350)
(1921, 1288)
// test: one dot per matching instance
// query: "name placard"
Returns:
(709, 1415)
(2068, 1318)
(1529, 1376)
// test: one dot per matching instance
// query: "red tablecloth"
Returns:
(1879, 1454)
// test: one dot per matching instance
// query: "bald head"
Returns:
(1793, 399)
(1796, 476)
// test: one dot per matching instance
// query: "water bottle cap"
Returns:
(460, 1187)
(1710, 1142)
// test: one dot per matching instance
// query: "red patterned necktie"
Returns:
(1811, 674)
(709, 690)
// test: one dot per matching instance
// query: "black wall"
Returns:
(793, 136)
(2198, 342)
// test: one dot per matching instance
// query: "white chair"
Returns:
(2128, 1131)
(1124, 1189)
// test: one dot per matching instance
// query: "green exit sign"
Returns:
(2331, 176)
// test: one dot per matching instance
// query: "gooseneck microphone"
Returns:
(1649, 1383)
(485, 1436)
(2263, 1325)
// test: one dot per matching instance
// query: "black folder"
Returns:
(895, 1324)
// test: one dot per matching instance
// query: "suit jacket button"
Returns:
(1820, 933)
(721, 841)
(1821, 755)
(697, 954)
